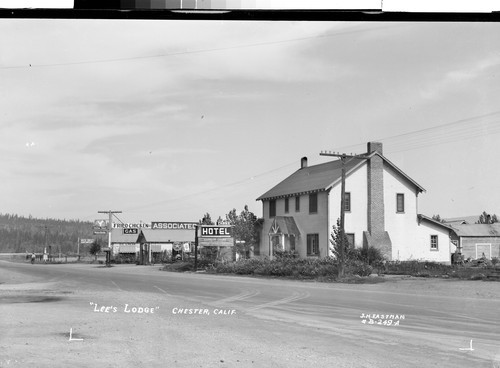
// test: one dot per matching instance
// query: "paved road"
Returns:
(318, 323)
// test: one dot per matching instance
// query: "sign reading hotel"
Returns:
(156, 225)
(216, 236)
(215, 231)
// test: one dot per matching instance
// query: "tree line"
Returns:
(19, 234)
(484, 218)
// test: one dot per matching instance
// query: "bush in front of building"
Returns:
(180, 266)
(358, 268)
(370, 255)
(433, 269)
(416, 268)
(287, 266)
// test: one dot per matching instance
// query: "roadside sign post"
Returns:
(195, 248)
(220, 236)
(110, 226)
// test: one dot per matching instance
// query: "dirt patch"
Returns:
(11, 299)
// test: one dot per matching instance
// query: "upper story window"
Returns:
(297, 204)
(347, 202)
(286, 205)
(313, 203)
(434, 242)
(400, 202)
(272, 208)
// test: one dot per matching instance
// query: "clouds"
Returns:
(172, 118)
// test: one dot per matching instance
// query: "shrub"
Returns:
(281, 254)
(282, 266)
(371, 255)
(359, 268)
(179, 266)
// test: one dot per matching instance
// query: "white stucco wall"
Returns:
(410, 241)
(422, 247)
(400, 226)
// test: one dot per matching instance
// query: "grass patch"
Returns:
(434, 269)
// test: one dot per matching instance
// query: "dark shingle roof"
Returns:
(310, 179)
(321, 177)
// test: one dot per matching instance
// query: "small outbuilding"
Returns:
(477, 240)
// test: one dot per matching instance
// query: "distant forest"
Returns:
(19, 234)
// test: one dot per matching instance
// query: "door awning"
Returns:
(284, 225)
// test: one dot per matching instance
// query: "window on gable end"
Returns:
(434, 242)
(400, 202)
(347, 202)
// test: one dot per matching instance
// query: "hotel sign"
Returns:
(216, 231)
(216, 236)
(174, 225)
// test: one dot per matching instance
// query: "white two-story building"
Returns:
(380, 210)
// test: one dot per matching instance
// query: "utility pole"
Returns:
(343, 157)
(110, 223)
(45, 227)
(196, 227)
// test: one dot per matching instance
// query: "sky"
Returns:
(169, 120)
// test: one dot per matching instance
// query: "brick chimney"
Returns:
(375, 147)
(376, 235)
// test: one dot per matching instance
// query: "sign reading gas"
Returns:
(132, 230)
(210, 231)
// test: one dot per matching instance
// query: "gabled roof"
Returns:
(477, 230)
(421, 218)
(323, 177)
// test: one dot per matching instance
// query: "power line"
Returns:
(191, 52)
(405, 142)
(418, 142)
(239, 182)
(429, 136)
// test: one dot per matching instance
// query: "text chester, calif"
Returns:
(204, 311)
